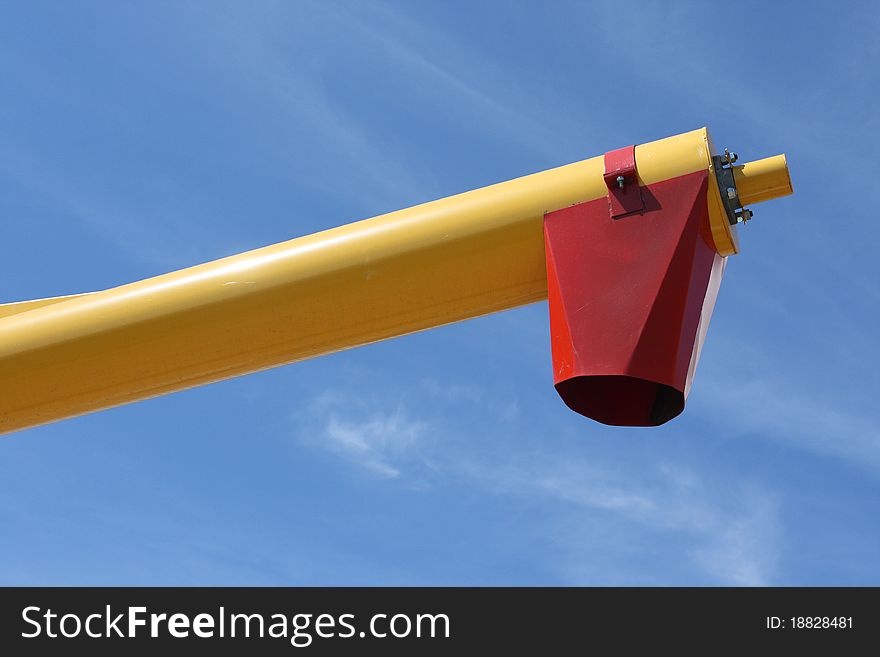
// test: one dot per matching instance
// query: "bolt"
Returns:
(620, 181)
(731, 193)
(744, 215)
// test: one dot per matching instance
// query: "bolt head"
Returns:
(743, 216)
(731, 193)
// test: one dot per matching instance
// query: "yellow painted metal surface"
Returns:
(7, 309)
(417, 268)
(762, 180)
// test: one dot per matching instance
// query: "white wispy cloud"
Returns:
(743, 548)
(778, 409)
(382, 442)
(279, 57)
(590, 506)
(598, 510)
(725, 90)
(457, 72)
(376, 441)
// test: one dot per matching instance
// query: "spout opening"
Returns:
(622, 401)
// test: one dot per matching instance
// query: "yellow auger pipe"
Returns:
(762, 180)
(417, 268)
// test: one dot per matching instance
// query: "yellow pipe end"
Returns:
(762, 180)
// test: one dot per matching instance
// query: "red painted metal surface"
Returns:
(621, 178)
(626, 300)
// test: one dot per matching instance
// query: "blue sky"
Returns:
(143, 137)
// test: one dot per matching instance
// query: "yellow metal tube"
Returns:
(437, 263)
(762, 180)
(7, 309)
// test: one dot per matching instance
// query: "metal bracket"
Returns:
(622, 180)
(723, 165)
